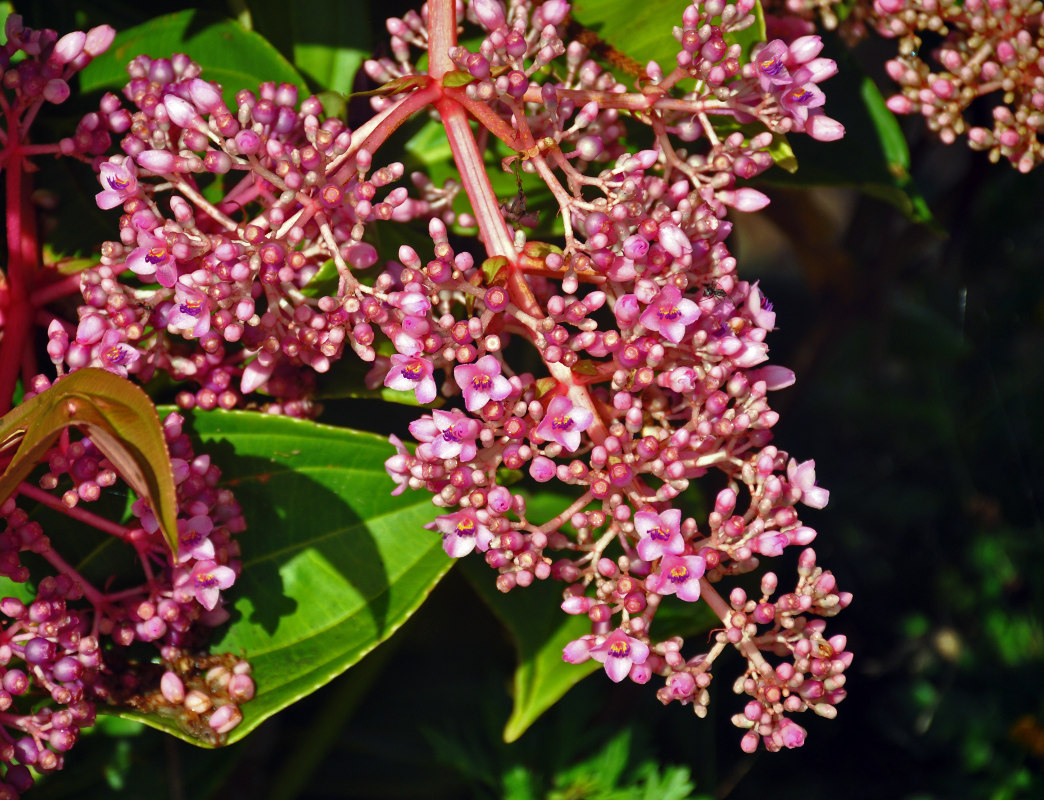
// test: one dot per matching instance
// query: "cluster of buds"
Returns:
(71, 643)
(991, 50)
(987, 48)
(651, 369)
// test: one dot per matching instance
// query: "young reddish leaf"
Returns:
(121, 421)
(457, 78)
(491, 268)
(396, 86)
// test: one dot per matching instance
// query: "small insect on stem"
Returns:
(515, 209)
(715, 291)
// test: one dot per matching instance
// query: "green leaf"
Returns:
(642, 31)
(457, 77)
(121, 421)
(232, 56)
(328, 43)
(540, 630)
(333, 564)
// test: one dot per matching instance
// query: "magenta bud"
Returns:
(99, 39)
(158, 161)
(576, 605)
(26, 751)
(640, 673)
(197, 701)
(172, 688)
(15, 681)
(205, 95)
(225, 718)
(67, 669)
(39, 651)
(69, 47)
(241, 687)
(577, 651)
(12, 607)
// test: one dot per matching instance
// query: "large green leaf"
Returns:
(333, 564)
(231, 55)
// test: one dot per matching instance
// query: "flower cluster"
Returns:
(987, 48)
(72, 642)
(989, 51)
(652, 368)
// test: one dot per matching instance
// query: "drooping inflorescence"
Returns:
(71, 640)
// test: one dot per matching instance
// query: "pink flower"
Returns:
(618, 652)
(678, 575)
(462, 533)
(206, 581)
(191, 312)
(193, 539)
(770, 67)
(660, 533)
(481, 382)
(446, 434)
(792, 734)
(114, 354)
(412, 373)
(803, 478)
(119, 181)
(760, 309)
(153, 258)
(669, 313)
(797, 100)
(564, 422)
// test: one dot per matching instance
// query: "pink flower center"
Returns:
(191, 307)
(465, 527)
(678, 574)
(412, 372)
(119, 184)
(771, 66)
(481, 382)
(450, 435)
(562, 423)
(659, 534)
(157, 255)
(668, 312)
(801, 95)
(115, 355)
(619, 649)
(205, 579)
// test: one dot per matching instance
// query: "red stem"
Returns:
(77, 513)
(15, 305)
